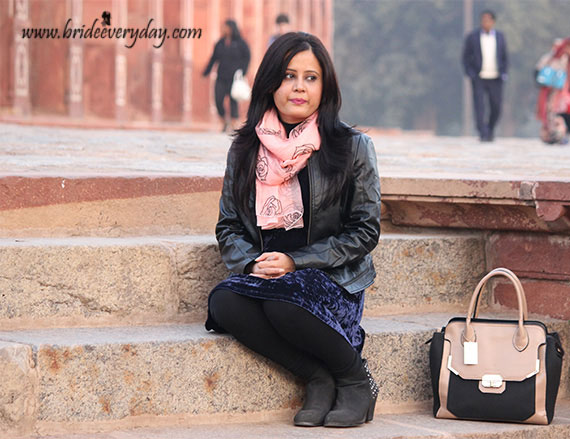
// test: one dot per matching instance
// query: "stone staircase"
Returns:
(106, 334)
(103, 288)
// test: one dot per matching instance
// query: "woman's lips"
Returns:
(298, 101)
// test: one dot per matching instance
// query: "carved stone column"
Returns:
(317, 19)
(75, 103)
(187, 18)
(157, 63)
(258, 44)
(215, 24)
(120, 19)
(237, 13)
(21, 62)
(328, 25)
(304, 15)
(290, 8)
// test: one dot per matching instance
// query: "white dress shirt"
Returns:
(490, 67)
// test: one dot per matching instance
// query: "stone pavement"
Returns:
(29, 150)
(396, 426)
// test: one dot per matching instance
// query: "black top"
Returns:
(282, 240)
(230, 57)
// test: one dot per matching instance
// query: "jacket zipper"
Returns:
(310, 201)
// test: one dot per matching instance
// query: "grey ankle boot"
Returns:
(355, 400)
(319, 397)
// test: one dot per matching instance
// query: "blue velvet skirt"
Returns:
(311, 289)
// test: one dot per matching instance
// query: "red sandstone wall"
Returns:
(49, 60)
(138, 66)
(201, 87)
(6, 75)
(172, 85)
(99, 66)
(49, 75)
(542, 262)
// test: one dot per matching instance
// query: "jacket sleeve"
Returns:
(505, 55)
(361, 230)
(212, 61)
(467, 55)
(236, 246)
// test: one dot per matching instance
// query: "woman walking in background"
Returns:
(299, 216)
(553, 105)
(231, 53)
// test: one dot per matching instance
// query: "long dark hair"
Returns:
(235, 35)
(333, 156)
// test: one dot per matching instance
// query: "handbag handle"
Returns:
(515, 280)
(521, 338)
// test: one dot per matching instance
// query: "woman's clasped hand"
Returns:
(272, 265)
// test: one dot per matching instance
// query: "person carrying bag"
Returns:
(241, 91)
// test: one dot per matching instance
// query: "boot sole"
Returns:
(308, 424)
(343, 425)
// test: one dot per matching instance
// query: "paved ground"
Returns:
(27, 150)
(397, 426)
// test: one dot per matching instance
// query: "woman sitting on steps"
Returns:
(299, 216)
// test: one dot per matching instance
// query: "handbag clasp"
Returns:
(492, 381)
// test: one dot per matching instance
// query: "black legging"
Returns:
(285, 333)
(222, 89)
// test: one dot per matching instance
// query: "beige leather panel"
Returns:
(539, 416)
(444, 385)
(496, 352)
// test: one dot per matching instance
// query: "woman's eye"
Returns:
(289, 75)
(311, 78)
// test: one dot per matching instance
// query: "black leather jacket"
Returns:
(340, 237)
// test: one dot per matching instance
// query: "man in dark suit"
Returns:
(485, 62)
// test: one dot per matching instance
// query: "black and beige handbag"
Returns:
(496, 370)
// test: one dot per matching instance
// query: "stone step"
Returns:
(419, 425)
(109, 205)
(94, 379)
(88, 281)
(179, 200)
(58, 181)
(70, 182)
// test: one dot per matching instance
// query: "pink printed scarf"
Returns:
(278, 201)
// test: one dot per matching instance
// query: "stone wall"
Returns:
(92, 79)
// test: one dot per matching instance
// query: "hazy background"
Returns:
(399, 61)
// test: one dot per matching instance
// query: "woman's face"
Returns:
(299, 95)
(226, 31)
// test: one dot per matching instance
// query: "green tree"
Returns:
(399, 61)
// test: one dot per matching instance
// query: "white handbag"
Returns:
(241, 91)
